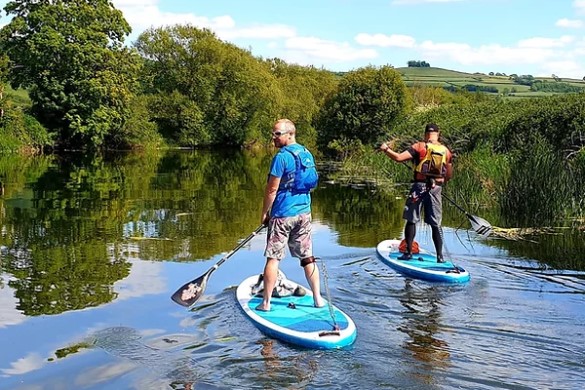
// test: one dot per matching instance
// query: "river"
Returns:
(93, 248)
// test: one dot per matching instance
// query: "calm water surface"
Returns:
(92, 249)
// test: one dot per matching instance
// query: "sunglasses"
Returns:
(278, 133)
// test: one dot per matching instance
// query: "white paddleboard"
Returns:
(423, 265)
(295, 320)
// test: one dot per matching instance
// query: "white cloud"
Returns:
(486, 54)
(274, 31)
(579, 5)
(382, 40)
(9, 315)
(543, 43)
(546, 56)
(26, 364)
(568, 23)
(147, 14)
(143, 17)
(310, 49)
(580, 46)
(564, 68)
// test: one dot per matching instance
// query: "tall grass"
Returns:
(540, 187)
(537, 188)
(480, 175)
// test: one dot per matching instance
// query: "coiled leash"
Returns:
(336, 328)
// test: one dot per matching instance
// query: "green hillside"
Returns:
(445, 78)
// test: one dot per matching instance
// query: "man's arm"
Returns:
(449, 167)
(449, 172)
(398, 157)
(269, 196)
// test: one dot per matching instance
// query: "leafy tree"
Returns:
(228, 94)
(525, 79)
(180, 120)
(138, 131)
(19, 131)
(3, 78)
(557, 86)
(71, 58)
(368, 103)
(418, 64)
(304, 90)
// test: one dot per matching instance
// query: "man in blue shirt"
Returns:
(287, 213)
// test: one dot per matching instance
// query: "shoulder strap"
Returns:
(294, 151)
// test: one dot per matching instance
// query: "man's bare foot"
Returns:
(318, 302)
(262, 307)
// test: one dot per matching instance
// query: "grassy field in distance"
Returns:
(440, 77)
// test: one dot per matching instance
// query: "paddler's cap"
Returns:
(431, 127)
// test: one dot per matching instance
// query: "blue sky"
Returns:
(537, 37)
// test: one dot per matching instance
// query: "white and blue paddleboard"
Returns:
(295, 320)
(423, 265)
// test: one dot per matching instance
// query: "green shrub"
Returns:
(368, 102)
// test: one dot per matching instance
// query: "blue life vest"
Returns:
(305, 176)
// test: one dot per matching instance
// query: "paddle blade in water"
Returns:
(480, 225)
(190, 292)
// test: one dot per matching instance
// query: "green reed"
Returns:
(536, 187)
(539, 191)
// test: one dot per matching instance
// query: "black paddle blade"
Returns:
(480, 225)
(190, 292)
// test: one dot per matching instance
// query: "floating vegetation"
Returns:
(524, 234)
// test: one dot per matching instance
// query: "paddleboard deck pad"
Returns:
(423, 265)
(293, 318)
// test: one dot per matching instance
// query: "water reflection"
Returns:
(271, 361)
(281, 372)
(70, 227)
(422, 323)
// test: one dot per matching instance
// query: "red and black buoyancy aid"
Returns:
(431, 160)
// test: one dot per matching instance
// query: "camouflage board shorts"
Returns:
(294, 231)
(430, 200)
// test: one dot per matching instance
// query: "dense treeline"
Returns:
(472, 88)
(418, 64)
(178, 85)
(556, 86)
(526, 158)
(203, 91)
(182, 86)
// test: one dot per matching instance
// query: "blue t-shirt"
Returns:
(287, 204)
